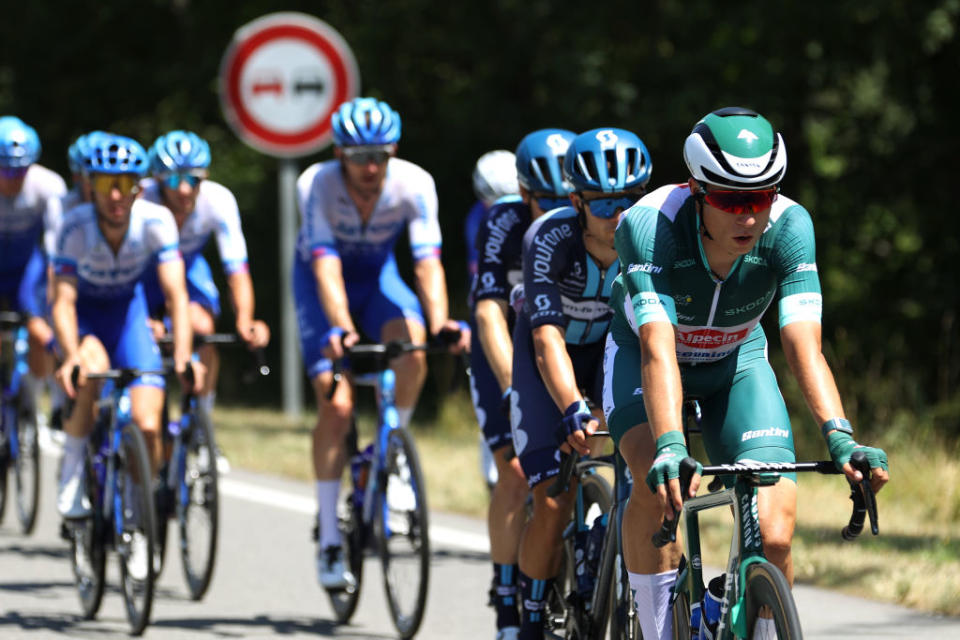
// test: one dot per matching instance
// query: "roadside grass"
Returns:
(915, 561)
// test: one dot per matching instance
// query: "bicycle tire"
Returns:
(623, 623)
(88, 556)
(198, 507)
(566, 610)
(139, 516)
(350, 522)
(403, 533)
(767, 586)
(27, 468)
(680, 612)
(4, 463)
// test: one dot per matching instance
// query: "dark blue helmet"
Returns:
(607, 160)
(113, 154)
(19, 143)
(365, 121)
(179, 151)
(540, 161)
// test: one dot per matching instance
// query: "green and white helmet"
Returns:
(735, 148)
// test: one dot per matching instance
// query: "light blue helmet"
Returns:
(113, 154)
(540, 161)
(179, 151)
(365, 121)
(78, 151)
(19, 143)
(607, 160)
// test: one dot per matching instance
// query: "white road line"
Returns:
(51, 443)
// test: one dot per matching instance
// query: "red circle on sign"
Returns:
(284, 26)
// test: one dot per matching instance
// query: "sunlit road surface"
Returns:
(264, 585)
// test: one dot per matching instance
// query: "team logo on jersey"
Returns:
(646, 267)
(707, 338)
(747, 135)
(487, 280)
(542, 301)
(557, 143)
(683, 298)
(607, 138)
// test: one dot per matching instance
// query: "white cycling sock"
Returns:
(764, 629)
(327, 493)
(651, 596)
(72, 456)
(403, 416)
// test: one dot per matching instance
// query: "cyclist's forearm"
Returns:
(662, 387)
(241, 293)
(65, 327)
(172, 282)
(328, 272)
(554, 365)
(432, 291)
(801, 346)
(494, 336)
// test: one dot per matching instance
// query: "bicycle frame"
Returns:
(113, 414)
(384, 384)
(14, 367)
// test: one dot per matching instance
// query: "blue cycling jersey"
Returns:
(562, 284)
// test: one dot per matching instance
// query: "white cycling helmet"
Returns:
(495, 176)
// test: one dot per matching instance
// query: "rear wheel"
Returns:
(681, 616)
(768, 590)
(623, 623)
(344, 601)
(4, 462)
(137, 537)
(27, 467)
(403, 533)
(198, 506)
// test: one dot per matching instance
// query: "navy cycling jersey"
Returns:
(500, 249)
(562, 284)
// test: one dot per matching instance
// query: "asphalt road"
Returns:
(264, 584)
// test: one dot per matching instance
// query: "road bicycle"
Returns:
(19, 448)
(189, 480)
(119, 487)
(751, 582)
(592, 598)
(385, 509)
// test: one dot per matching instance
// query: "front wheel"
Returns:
(623, 616)
(680, 613)
(767, 588)
(198, 506)
(350, 523)
(26, 468)
(88, 552)
(403, 533)
(135, 527)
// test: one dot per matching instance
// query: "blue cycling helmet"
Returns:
(113, 154)
(540, 161)
(179, 151)
(19, 143)
(364, 121)
(78, 151)
(607, 160)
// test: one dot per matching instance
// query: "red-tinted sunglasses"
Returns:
(741, 202)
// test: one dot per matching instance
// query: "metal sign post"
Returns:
(281, 79)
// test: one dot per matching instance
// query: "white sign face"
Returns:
(285, 85)
(281, 80)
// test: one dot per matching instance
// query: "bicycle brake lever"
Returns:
(668, 530)
(859, 462)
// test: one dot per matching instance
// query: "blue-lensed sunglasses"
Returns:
(548, 203)
(174, 179)
(607, 207)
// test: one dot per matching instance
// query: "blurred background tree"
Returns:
(862, 90)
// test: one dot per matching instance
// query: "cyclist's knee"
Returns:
(201, 319)
(511, 484)
(412, 364)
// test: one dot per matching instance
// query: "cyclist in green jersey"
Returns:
(700, 264)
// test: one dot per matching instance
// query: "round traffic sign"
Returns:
(281, 79)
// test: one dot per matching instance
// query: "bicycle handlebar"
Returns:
(11, 319)
(380, 354)
(864, 500)
(199, 339)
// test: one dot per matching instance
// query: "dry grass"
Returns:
(915, 561)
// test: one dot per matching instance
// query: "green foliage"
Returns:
(863, 92)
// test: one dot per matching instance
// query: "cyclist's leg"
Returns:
(652, 571)
(136, 349)
(32, 300)
(391, 311)
(333, 420)
(204, 310)
(754, 425)
(506, 515)
(71, 498)
(534, 419)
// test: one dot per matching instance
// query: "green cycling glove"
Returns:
(671, 449)
(842, 445)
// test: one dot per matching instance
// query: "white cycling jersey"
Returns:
(216, 212)
(331, 224)
(33, 212)
(83, 252)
